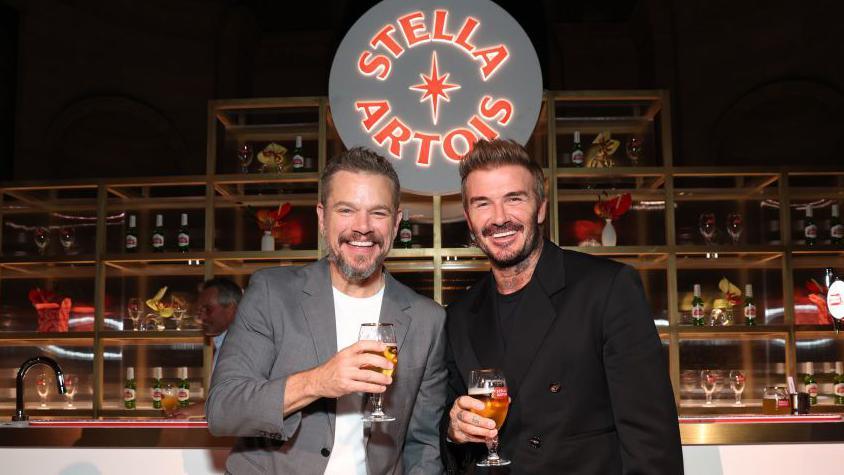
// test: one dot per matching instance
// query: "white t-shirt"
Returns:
(348, 456)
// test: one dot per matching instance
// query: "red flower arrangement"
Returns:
(612, 208)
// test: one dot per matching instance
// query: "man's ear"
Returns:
(320, 212)
(543, 209)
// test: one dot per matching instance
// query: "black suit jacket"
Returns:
(584, 366)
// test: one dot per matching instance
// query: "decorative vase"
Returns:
(267, 241)
(608, 236)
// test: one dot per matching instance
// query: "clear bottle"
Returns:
(405, 231)
(298, 156)
(131, 239)
(836, 229)
(183, 393)
(158, 234)
(129, 388)
(577, 151)
(697, 308)
(157, 374)
(184, 234)
(838, 380)
(749, 306)
(809, 382)
(810, 229)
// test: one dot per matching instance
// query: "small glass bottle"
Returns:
(184, 387)
(749, 306)
(156, 387)
(836, 229)
(131, 240)
(577, 151)
(405, 231)
(810, 229)
(809, 382)
(697, 308)
(838, 380)
(129, 388)
(158, 234)
(183, 237)
(298, 156)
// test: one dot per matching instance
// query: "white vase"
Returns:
(267, 241)
(608, 236)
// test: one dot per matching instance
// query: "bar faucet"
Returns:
(19, 414)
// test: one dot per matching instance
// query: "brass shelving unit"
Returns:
(213, 191)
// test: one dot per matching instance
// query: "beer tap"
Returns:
(19, 413)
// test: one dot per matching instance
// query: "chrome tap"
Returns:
(19, 414)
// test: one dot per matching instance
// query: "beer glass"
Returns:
(135, 308)
(490, 387)
(169, 400)
(737, 380)
(709, 381)
(385, 333)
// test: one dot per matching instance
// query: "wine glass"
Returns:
(134, 308)
(244, 156)
(737, 385)
(385, 333)
(735, 225)
(42, 384)
(490, 387)
(633, 148)
(706, 226)
(71, 383)
(709, 383)
(42, 239)
(67, 237)
(179, 308)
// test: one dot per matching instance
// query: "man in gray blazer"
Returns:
(291, 376)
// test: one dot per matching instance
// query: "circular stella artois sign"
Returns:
(421, 81)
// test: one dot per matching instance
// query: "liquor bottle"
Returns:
(183, 395)
(405, 231)
(749, 306)
(836, 229)
(184, 235)
(158, 234)
(129, 389)
(577, 151)
(828, 277)
(697, 307)
(298, 156)
(810, 383)
(839, 383)
(156, 387)
(131, 241)
(810, 229)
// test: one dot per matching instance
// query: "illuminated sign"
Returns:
(421, 81)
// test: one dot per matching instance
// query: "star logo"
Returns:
(434, 87)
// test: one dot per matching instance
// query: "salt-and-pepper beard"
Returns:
(351, 273)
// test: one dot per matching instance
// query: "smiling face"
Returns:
(358, 222)
(504, 213)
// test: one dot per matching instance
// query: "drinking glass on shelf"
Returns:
(735, 225)
(179, 308)
(706, 226)
(490, 387)
(41, 235)
(737, 385)
(385, 333)
(71, 384)
(67, 237)
(135, 310)
(169, 400)
(709, 383)
(42, 384)
(244, 157)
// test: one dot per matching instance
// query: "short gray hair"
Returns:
(228, 292)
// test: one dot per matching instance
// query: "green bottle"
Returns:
(697, 307)
(405, 231)
(839, 383)
(836, 229)
(810, 382)
(810, 229)
(129, 389)
(158, 234)
(156, 387)
(183, 236)
(749, 306)
(184, 387)
(577, 151)
(298, 156)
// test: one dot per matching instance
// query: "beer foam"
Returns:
(480, 391)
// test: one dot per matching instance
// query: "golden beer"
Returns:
(495, 402)
(391, 352)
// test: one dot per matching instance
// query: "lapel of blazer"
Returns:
(484, 329)
(318, 307)
(535, 316)
(393, 307)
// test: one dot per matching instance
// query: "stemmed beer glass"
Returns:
(385, 333)
(490, 387)
(709, 381)
(737, 380)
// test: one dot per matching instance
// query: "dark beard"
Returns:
(533, 241)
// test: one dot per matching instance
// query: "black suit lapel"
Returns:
(484, 330)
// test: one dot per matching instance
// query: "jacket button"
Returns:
(534, 442)
(554, 388)
(325, 452)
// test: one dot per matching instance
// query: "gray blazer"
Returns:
(284, 325)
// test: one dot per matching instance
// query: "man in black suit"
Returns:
(572, 333)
